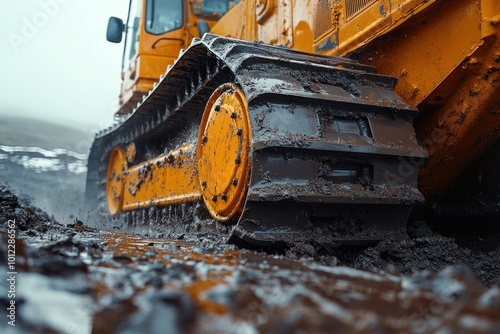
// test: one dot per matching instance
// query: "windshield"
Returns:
(163, 16)
(212, 9)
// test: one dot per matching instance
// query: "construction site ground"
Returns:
(76, 279)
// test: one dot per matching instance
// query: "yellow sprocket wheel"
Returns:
(223, 152)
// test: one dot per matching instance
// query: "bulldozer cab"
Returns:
(155, 31)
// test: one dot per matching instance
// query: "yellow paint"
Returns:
(154, 54)
(218, 171)
(168, 179)
(445, 55)
(223, 152)
(456, 132)
(115, 180)
(131, 152)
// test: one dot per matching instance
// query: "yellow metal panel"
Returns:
(443, 54)
(168, 179)
(232, 24)
(303, 21)
(491, 17)
(457, 132)
(363, 26)
(424, 52)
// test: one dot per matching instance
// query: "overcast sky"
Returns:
(55, 62)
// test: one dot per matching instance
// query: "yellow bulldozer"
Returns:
(320, 120)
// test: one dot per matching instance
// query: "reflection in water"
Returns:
(214, 288)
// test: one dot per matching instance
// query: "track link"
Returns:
(334, 157)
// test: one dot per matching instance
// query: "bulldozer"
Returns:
(320, 120)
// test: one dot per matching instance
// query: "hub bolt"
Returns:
(223, 197)
(234, 182)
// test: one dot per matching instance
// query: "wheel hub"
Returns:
(223, 152)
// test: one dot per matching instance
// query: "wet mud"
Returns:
(75, 279)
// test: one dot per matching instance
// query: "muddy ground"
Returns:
(75, 279)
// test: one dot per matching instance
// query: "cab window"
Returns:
(212, 9)
(163, 16)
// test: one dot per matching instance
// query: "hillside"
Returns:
(17, 131)
(45, 164)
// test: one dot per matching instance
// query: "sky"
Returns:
(55, 62)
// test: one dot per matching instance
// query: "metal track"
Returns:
(330, 140)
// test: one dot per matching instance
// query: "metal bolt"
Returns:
(234, 182)
(239, 132)
(223, 197)
(217, 107)
(204, 140)
(204, 184)
(214, 198)
(233, 115)
(237, 160)
(170, 158)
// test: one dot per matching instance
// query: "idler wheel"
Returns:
(224, 152)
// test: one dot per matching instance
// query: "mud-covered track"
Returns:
(328, 136)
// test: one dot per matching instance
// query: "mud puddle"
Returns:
(72, 279)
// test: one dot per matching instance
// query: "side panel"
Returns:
(446, 58)
(445, 55)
